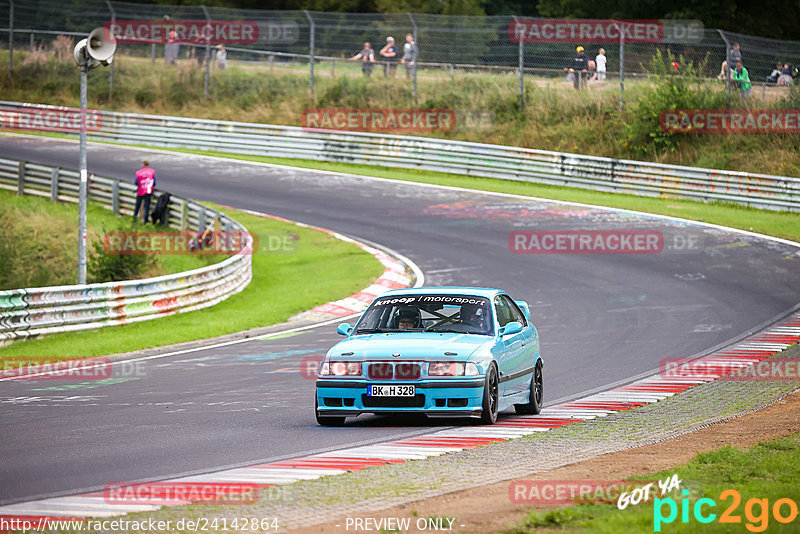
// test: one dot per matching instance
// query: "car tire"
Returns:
(491, 396)
(535, 405)
(327, 420)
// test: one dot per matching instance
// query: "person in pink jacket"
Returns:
(145, 183)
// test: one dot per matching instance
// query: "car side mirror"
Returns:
(526, 309)
(344, 329)
(514, 327)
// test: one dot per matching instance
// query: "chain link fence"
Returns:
(457, 57)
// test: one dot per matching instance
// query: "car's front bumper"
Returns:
(450, 397)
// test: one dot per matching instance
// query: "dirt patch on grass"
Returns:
(488, 509)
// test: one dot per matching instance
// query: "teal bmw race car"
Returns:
(443, 352)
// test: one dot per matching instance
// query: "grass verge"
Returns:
(284, 284)
(761, 475)
(38, 244)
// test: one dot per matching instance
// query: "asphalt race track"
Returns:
(603, 318)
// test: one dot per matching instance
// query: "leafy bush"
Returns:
(685, 89)
(105, 267)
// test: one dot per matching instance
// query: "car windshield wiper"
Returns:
(371, 331)
(447, 330)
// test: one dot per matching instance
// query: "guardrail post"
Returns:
(227, 230)
(184, 215)
(21, 179)
(54, 184)
(115, 197)
(201, 219)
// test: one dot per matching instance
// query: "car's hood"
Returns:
(410, 345)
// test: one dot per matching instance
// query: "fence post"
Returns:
(621, 68)
(227, 230)
(153, 53)
(727, 69)
(271, 61)
(33, 42)
(521, 67)
(208, 57)
(201, 219)
(115, 197)
(54, 184)
(310, 51)
(184, 214)
(416, 60)
(10, 35)
(111, 70)
(333, 68)
(21, 179)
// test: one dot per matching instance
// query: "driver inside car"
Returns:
(475, 316)
(408, 318)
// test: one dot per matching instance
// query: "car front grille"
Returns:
(417, 401)
(397, 371)
(381, 371)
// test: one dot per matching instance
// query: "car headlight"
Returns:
(452, 369)
(340, 369)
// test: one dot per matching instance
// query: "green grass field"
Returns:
(761, 475)
(285, 282)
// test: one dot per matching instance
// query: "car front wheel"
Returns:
(491, 397)
(327, 420)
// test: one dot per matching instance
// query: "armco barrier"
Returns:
(458, 157)
(45, 310)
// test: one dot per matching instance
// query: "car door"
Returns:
(512, 348)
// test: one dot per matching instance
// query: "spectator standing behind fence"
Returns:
(600, 60)
(741, 79)
(389, 55)
(171, 48)
(734, 55)
(367, 58)
(222, 57)
(409, 55)
(145, 183)
(580, 67)
(775, 74)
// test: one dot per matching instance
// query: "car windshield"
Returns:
(464, 314)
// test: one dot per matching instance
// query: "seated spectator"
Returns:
(723, 71)
(591, 73)
(775, 74)
(571, 75)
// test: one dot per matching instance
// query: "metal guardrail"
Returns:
(456, 157)
(36, 311)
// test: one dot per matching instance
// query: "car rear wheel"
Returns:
(491, 397)
(327, 420)
(535, 405)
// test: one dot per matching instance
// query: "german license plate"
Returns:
(390, 391)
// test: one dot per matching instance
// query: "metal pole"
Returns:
(111, 72)
(621, 68)
(82, 194)
(153, 53)
(416, 60)
(727, 70)
(521, 73)
(311, 51)
(208, 58)
(10, 35)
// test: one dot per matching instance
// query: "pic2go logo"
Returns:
(758, 521)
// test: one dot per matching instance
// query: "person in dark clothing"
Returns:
(161, 211)
(580, 66)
